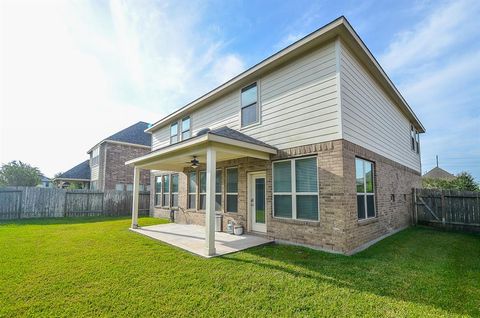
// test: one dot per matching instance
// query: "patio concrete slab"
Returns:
(192, 238)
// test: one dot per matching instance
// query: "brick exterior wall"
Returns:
(112, 165)
(189, 216)
(390, 178)
(338, 228)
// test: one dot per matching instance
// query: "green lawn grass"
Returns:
(97, 267)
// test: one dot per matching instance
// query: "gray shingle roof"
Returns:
(80, 171)
(134, 134)
(224, 132)
(438, 173)
(45, 179)
(234, 134)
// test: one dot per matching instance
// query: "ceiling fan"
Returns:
(194, 162)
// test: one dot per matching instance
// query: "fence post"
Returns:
(65, 205)
(415, 207)
(21, 205)
(444, 212)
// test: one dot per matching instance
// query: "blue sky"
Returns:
(75, 72)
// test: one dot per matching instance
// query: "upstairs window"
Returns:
(417, 141)
(249, 104)
(174, 133)
(186, 133)
(412, 137)
(95, 155)
(365, 189)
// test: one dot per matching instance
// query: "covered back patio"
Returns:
(212, 146)
(191, 238)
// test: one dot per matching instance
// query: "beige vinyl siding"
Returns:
(161, 137)
(94, 171)
(298, 105)
(369, 117)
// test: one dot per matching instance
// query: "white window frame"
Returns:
(417, 141)
(189, 130)
(171, 189)
(199, 189)
(158, 204)
(168, 193)
(412, 137)
(170, 132)
(192, 193)
(226, 188)
(294, 192)
(258, 104)
(95, 156)
(219, 193)
(365, 193)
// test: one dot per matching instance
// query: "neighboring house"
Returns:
(77, 177)
(313, 146)
(107, 159)
(439, 173)
(45, 182)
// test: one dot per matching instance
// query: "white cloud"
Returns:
(227, 67)
(437, 66)
(445, 28)
(73, 73)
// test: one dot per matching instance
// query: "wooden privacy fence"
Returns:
(32, 202)
(452, 209)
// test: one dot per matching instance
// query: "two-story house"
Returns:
(313, 146)
(106, 170)
(107, 159)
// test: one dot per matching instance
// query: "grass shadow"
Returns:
(418, 265)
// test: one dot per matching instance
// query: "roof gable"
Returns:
(439, 173)
(134, 134)
(80, 172)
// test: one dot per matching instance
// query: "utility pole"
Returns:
(437, 160)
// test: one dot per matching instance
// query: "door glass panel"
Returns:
(260, 200)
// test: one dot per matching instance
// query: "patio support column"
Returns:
(210, 204)
(136, 186)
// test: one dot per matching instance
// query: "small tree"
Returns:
(17, 173)
(465, 182)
